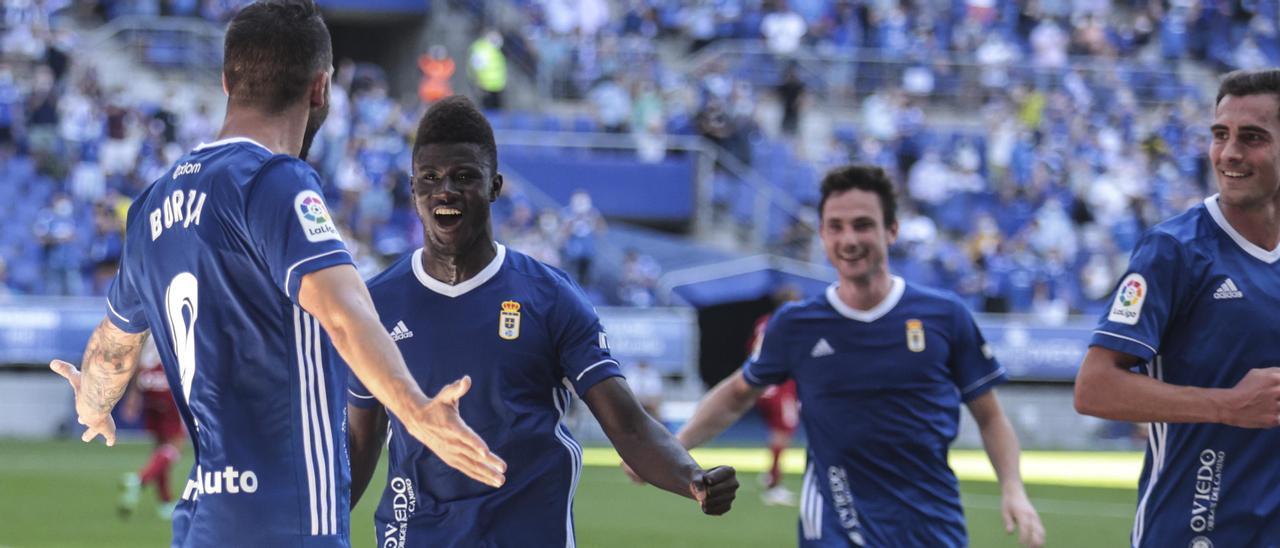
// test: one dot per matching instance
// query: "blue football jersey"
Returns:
(1198, 306)
(214, 254)
(525, 333)
(880, 393)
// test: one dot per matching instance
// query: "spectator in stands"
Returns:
(582, 224)
(648, 106)
(489, 68)
(791, 93)
(374, 205)
(85, 180)
(928, 183)
(612, 104)
(1047, 307)
(639, 279)
(1049, 44)
(651, 143)
(11, 110)
(42, 116)
(718, 124)
(783, 29)
(105, 248)
(119, 151)
(547, 246)
(55, 229)
(437, 68)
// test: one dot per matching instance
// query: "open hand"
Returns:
(439, 426)
(715, 489)
(1017, 512)
(96, 421)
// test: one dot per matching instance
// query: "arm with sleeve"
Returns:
(1145, 300)
(974, 369)
(580, 340)
(290, 225)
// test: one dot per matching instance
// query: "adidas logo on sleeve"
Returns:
(400, 332)
(1228, 290)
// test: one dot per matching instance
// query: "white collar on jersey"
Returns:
(231, 140)
(896, 288)
(464, 287)
(1215, 211)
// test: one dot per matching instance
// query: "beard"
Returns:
(315, 119)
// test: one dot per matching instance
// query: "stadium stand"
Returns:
(1034, 141)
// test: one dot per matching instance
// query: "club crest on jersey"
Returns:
(1129, 298)
(314, 217)
(509, 321)
(915, 335)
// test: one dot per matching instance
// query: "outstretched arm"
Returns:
(339, 299)
(653, 453)
(1106, 388)
(1001, 443)
(720, 408)
(366, 433)
(108, 364)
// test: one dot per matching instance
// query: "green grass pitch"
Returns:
(62, 494)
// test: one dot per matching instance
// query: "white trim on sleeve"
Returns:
(984, 380)
(289, 273)
(593, 366)
(1131, 339)
(117, 314)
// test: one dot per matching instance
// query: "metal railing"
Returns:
(957, 77)
(190, 46)
(710, 157)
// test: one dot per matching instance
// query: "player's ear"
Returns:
(225, 90)
(495, 188)
(891, 232)
(319, 89)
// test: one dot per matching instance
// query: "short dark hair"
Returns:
(272, 50)
(455, 119)
(1249, 82)
(861, 177)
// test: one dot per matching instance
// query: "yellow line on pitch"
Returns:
(1086, 469)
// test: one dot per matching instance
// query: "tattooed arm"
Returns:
(109, 362)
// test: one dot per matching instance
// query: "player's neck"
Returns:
(281, 133)
(1260, 225)
(454, 269)
(865, 293)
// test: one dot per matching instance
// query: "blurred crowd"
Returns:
(1085, 134)
(1030, 208)
(77, 152)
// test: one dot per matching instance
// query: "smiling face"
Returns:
(453, 185)
(854, 235)
(1246, 150)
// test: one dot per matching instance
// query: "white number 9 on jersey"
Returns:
(181, 302)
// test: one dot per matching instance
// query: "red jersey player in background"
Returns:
(780, 410)
(150, 398)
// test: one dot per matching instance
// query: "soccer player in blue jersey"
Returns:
(235, 267)
(1195, 314)
(526, 334)
(881, 368)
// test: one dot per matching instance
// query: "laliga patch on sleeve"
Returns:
(1128, 304)
(316, 222)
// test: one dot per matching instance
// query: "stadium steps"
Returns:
(117, 51)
